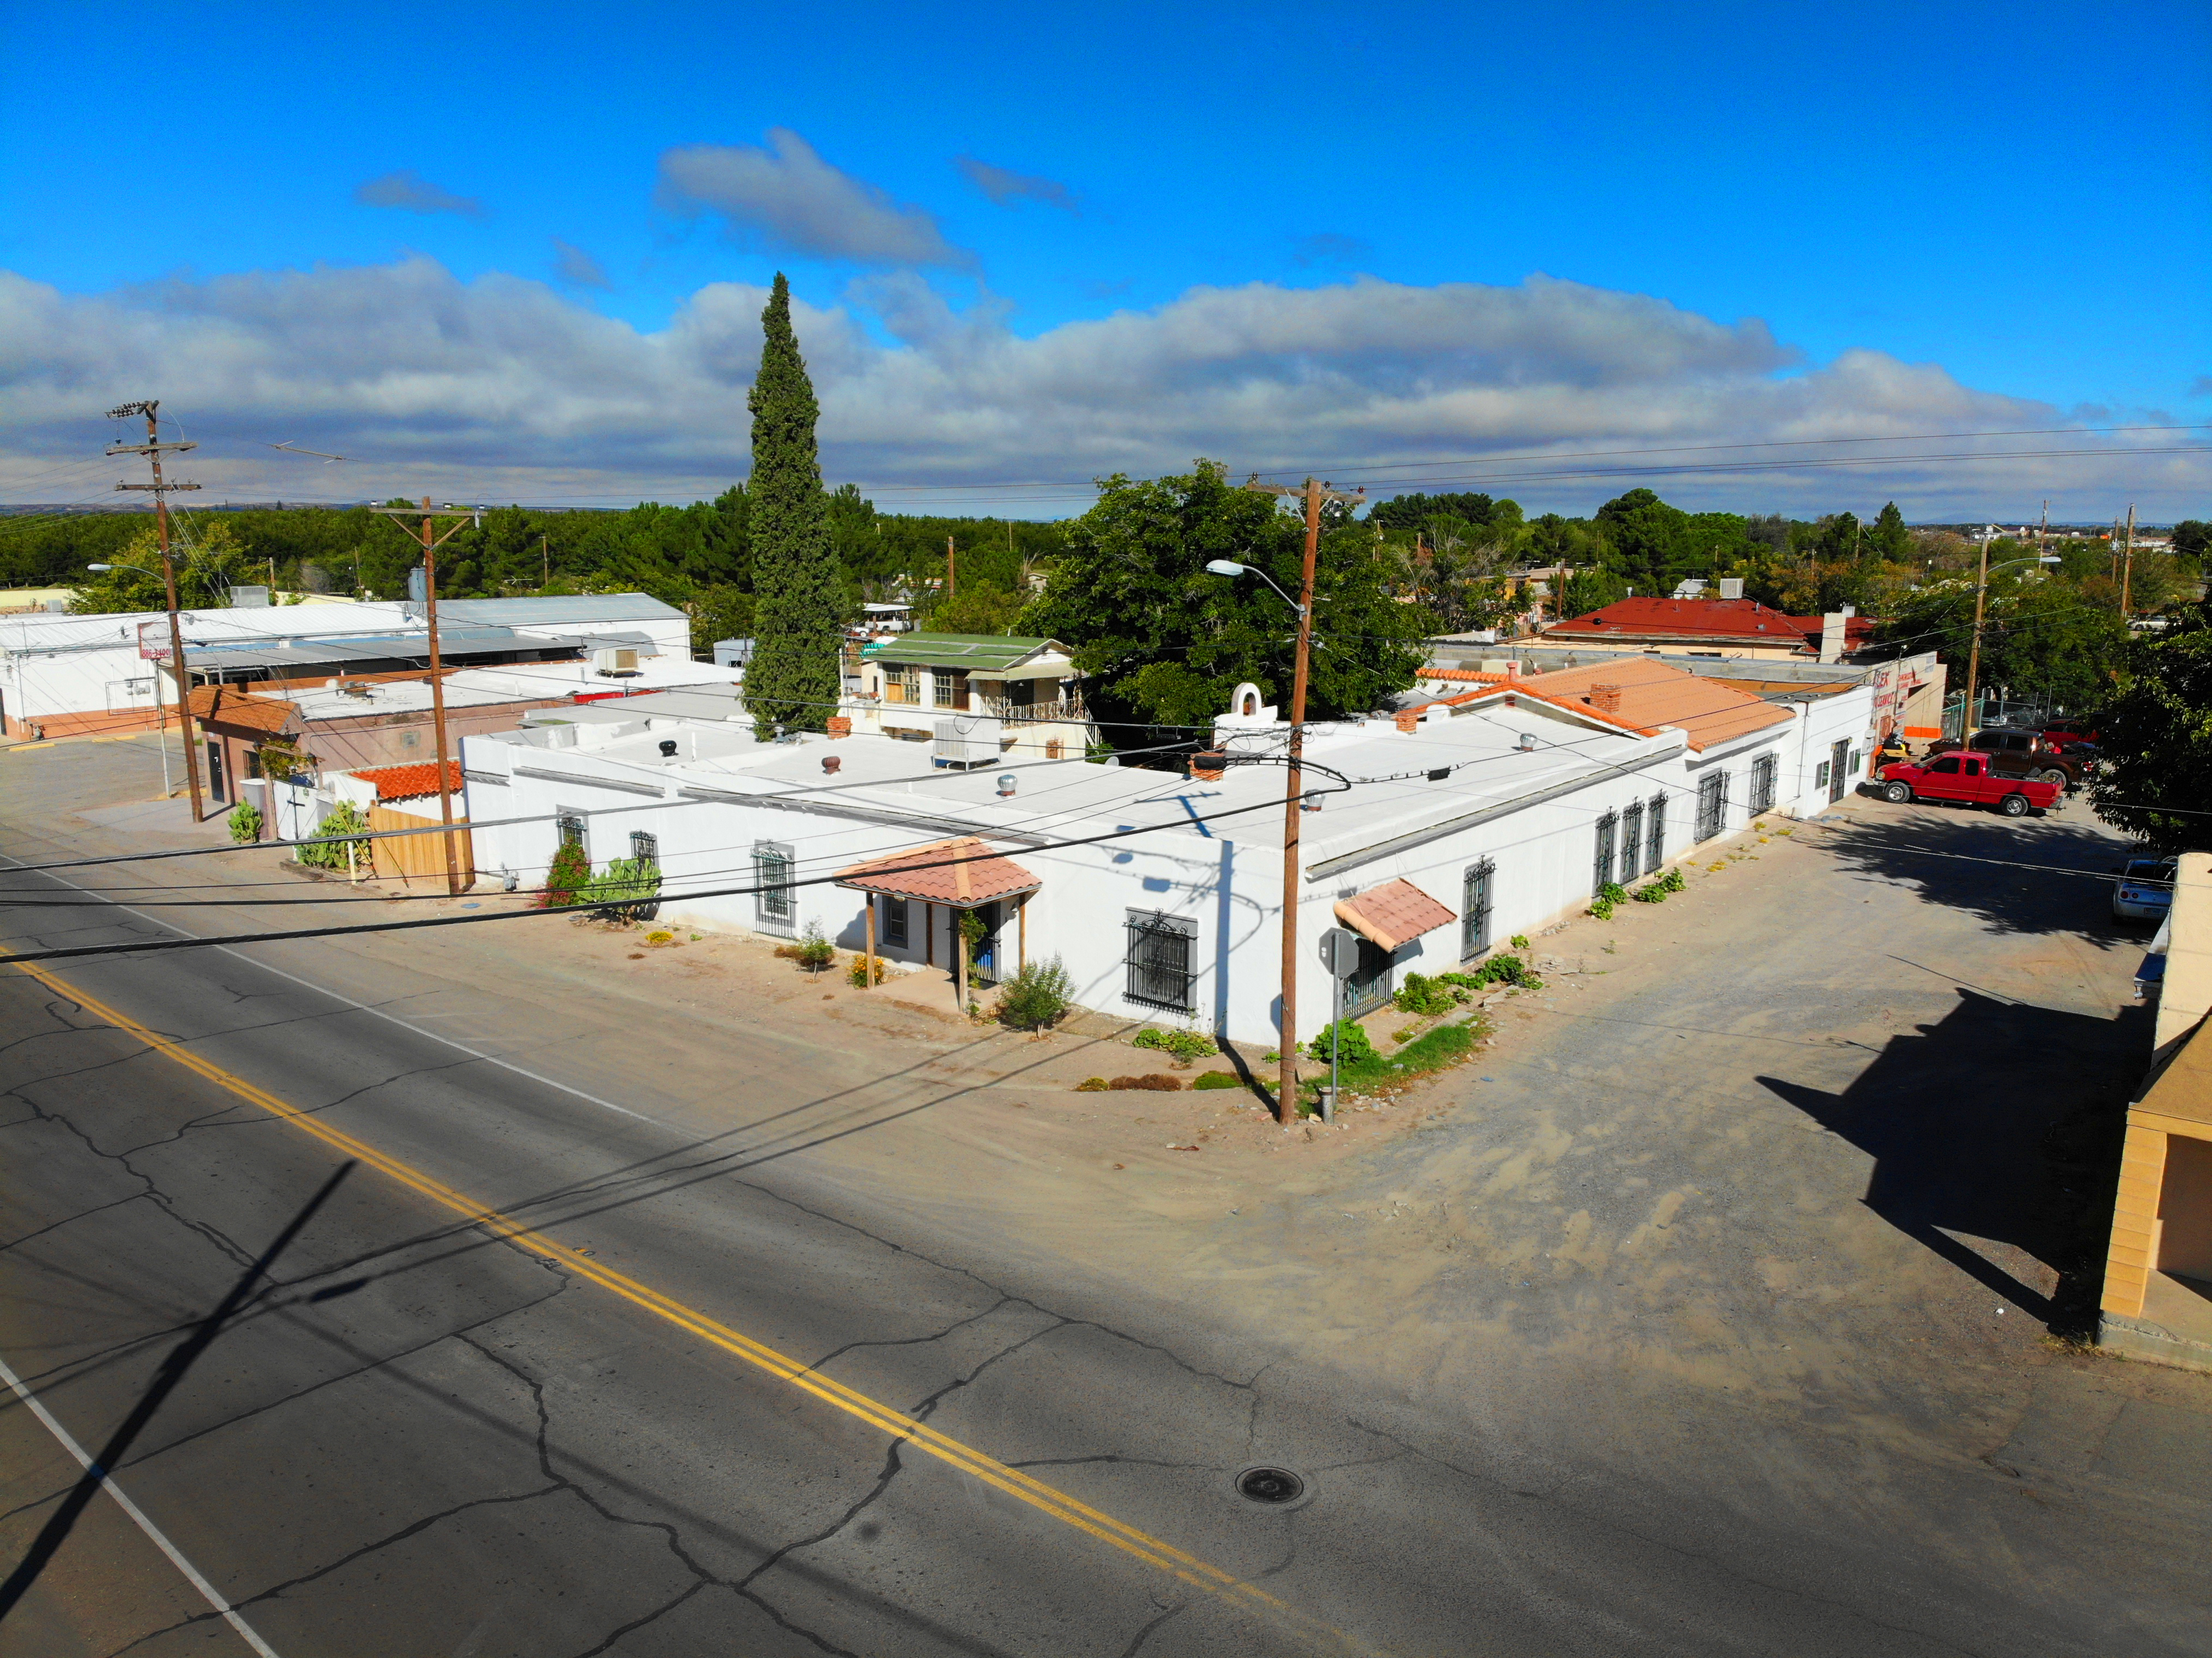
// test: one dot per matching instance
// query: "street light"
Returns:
(1966, 726)
(1231, 568)
(141, 568)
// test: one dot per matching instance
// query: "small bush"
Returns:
(858, 975)
(245, 822)
(1498, 970)
(1603, 908)
(1428, 997)
(1346, 1040)
(660, 937)
(1216, 1079)
(1183, 1044)
(1158, 1082)
(1091, 1085)
(1519, 941)
(1655, 892)
(345, 819)
(569, 870)
(1037, 995)
(815, 952)
(628, 887)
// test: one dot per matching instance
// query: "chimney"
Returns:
(1409, 720)
(1831, 637)
(1606, 698)
(840, 726)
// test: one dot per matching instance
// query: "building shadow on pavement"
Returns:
(2016, 890)
(2002, 1122)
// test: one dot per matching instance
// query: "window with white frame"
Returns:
(1160, 961)
(1762, 783)
(569, 823)
(1474, 909)
(775, 903)
(1712, 802)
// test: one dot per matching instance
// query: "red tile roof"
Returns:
(409, 782)
(1396, 912)
(1520, 686)
(1708, 621)
(965, 873)
(228, 704)
(1656, 693)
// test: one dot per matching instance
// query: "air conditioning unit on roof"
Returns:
(968, 740)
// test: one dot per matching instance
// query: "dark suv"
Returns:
(2016, 753)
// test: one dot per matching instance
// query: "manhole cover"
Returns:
(1270, 1486)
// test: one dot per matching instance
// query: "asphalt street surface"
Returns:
(545, 1376)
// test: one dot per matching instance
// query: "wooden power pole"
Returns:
(951, 577)
(2127, 564)
(152, 449)
(1315, 492)
(431, 543)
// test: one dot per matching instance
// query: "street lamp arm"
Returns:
(1231, 568)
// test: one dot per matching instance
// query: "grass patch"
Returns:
(1216, 1079)
(1442, 1048)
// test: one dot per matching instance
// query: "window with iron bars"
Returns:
(1160, 948)
(569, 823)
(1655, 833)
(645, 848)
(1608, 828)
(1762, 783)
(1474, 909)
(775, 904)
(1712, 802)
(1632, 841)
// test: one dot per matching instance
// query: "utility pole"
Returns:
(2127, 564)
(1315, 492)
(152, 449)
(2043, 534)
(544, 561)
(431, 541)
(1974, 654)
(951, 579)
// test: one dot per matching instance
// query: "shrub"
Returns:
(569, 870)
(345, 819)
(1157, 1082)
(663, 936)
(858, 976)
(1519, 941)
(1091, 1085)
(1346, 1041)
(1428, 997)
(1183, 1044)
(245, 822)
(628, 887)
(1500, 968)
(815, 951)
(1655, 892)
(1216, 1079)
(1036, 995)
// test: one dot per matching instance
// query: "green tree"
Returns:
(980, 607)
(1647, 537)
(793, 679)
(2155, 738)
(2192, 538)
(1889, 539)
(208, 557)
(1165, 642)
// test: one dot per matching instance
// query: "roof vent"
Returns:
(1005, 784)
(831, 763)
(1527, 742)
(667, 748)
(1440, 773)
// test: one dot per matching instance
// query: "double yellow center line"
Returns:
(1177, 1563)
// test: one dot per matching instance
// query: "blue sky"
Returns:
(1035, 245)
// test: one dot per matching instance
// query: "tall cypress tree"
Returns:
(794, 677)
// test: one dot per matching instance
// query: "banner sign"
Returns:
(153, 640)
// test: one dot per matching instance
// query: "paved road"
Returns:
(570, 1428)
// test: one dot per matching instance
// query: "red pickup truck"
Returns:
(1968, 777)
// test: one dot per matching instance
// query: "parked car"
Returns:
(1970, 778)
(2019, 753)
(2071, 732)
(2144, 892)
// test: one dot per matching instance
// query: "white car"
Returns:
(2144, 892)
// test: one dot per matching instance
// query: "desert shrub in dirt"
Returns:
(1216, 1079)
(1157, 1082)
(1346, 1041)
(245, 822)
(1656, 892)
(344, 819)
(815, 952)
(1427, 996)
(1036, 995)
(570, 869)
(1093, 1085)
(1183, 1044)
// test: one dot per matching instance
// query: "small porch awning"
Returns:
(1393, 915)
(963, 872)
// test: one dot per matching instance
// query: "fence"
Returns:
(416, 858)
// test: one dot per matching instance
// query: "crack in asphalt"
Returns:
(1146, 1633)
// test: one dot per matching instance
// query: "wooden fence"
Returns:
(419, 857)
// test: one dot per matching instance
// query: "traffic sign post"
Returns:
(1339, 955)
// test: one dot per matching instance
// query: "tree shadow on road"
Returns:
(1940, 851)
(2002, 1122)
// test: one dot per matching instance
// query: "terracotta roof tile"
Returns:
(1744, 621)
(1396, 912)
(1656, 693)
(978, 877)
(408, 782)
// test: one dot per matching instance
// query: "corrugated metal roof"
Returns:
(976, 652)
(571, 607)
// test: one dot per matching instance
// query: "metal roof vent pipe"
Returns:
(1527, 742)
(667, 748)
(1005, 784)
(831, 763)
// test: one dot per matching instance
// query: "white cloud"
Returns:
(1009, 188)
(793, 199)
(500, 388)
(410, 191)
